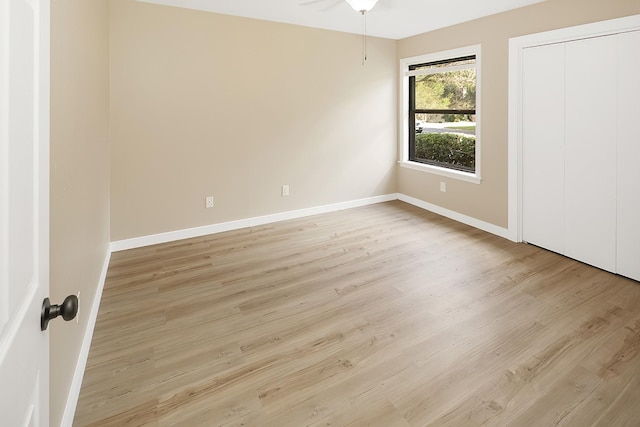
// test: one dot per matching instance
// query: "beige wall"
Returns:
(488, 200)
(79, 175)
(206, 104)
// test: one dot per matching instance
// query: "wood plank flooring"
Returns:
(384, 315)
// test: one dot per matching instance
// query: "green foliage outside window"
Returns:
(448, 148)
(452, 90)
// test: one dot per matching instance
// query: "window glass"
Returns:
(442, 113)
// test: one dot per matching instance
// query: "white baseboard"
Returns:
(456, 216)
(138, 242)
(170, 236)
(76, 383)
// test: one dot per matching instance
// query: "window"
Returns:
(441, 114)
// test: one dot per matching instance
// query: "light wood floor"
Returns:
(385, 315)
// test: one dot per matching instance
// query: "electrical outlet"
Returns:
(209, 201)
(285, 190)
(443, 187)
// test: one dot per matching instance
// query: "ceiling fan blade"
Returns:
(329, 4)
(387, 4)
(308, 2)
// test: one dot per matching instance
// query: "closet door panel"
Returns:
(543, 146)
(590, 151)
(628, 253)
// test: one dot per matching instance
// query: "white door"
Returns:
(591, 102)
(543, 146)
(24, 211)
(628, 155)
(569, 140)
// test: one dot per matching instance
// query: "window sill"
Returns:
(449, 173)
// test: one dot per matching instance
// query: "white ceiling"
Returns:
(392, 19)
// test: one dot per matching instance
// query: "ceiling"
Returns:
(392, 19)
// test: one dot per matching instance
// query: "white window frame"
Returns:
(404, 113)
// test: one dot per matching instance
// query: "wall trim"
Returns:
(457, 216)
(170, 236)
(78, 375)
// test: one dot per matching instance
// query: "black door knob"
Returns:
(68, 310)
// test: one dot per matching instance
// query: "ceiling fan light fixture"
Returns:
(362, 6)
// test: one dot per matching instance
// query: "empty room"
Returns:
(319, 213)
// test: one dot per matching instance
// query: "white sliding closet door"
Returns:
(591, 99)
(543, 146)
(629, 155)
(578, 130)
